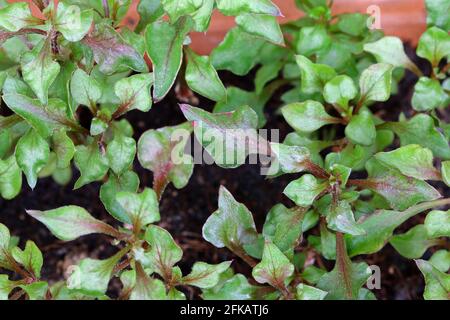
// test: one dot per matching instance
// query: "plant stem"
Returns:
(106, 8)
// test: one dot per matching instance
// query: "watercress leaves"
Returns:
(120, 153)
(428, 95)
(314, 76)
(202, 78)
(264, 26)
(312, 39)
(162, 152)
(413, 243)
(32, 154)
(164, 253)
(141, 209)
(73, 23)
(228, 137)
(43, 118)
(390, 50)
(437, 283)
(305, 190)
(274, 267)
(361, 129)
(16, 16)
(340, 90)
(134, 93)
(340, 218)
(307, 116)
(236, 7)
(111, 51)
(237, 53)
(164, 44)
(178, 8)
(231, 226)
(30, 258)
(93, 165)
(437, 224)
(84, 88)
(10, 178)
(411, 160)
(434, 45)
(204, 275)
(375, 82)
(39, 70)
(70, 222)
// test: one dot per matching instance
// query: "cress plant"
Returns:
(362, 176)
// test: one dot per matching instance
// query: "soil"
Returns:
(184, 211)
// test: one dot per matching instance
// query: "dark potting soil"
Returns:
(183, 212)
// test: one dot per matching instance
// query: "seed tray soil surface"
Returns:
(183, 212)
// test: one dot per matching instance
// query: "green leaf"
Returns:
(32, 154)
(305, 292)
(111, 52)
(263, 26)
(231, 225)
(400, 191)
(237, 53)
(70, 222)
(84, 88)
(39, 70)
(437, 283)
(354, 24)
(204, 275)
(445, 172)
(437, 224)
(428, 95)
(379, 227)
(340, 90)
(149, 11)
(340, 218)
(314, 76)
(30, 258)
(43, 118)
(274, 267)
(376, 82)
(178, 8)
(438, 13)
(312, 39)
(234, 287)
(305, 190)
(441, 260)
(390, 50)
(288, 159)
(73, 23)
(307, 116)
(345, 280)
(147, 288)
(165, 48)
(141, 209)
(6, 286)
(434, 45)
(92, 164)
(202, 17)
(134, 92)
(413, 243)
(120, 153)
(202, 78)
(236, 7)
(421, 130)
(92, 276)
(230, 130)
(164, 252)
(162, 152)
(412, 160)
(128, 181)
(283, 227)
(36, 290)
(16, 16)
(265, 74)
(10, 178)
(237, 98)
(63, 147)
(5, 239)
(361, 129)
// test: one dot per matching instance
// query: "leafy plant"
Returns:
(358, 183)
